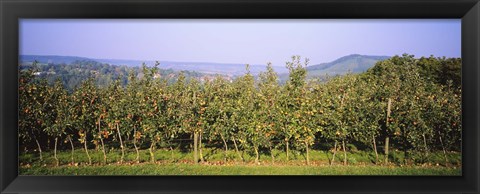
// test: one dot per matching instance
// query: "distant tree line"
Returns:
(103, 74)
(404, 103)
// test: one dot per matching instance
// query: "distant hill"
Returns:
(50, 59)
(230, 69)
(354, 63)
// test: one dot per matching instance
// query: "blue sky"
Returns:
(238, 41)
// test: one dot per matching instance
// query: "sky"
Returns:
(238, 41)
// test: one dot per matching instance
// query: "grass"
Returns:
(176, 162)
(188, 169)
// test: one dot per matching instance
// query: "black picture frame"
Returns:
(12, 10)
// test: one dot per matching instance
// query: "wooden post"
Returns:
(344, 153)
(308, 156)
(195, 144)
(55, 152)
(286, 142)
(375, 149)
(152, 153)
(387, 139)
(256, 155)
(200, 147)
(425, 145)
(195, 134)
(386, 149)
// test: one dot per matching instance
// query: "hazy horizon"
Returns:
(238, 41)
(211, 62)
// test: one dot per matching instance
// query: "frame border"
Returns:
(11, 11)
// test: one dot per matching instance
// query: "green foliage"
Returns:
(251, 115)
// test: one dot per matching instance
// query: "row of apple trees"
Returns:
(401, 103)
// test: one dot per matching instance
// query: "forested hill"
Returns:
(72, 70)
(76, 72)
(51, 59)
(354, 63)
(227, 69)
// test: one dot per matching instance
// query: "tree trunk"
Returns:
(344, 153)
(73, 148)
(103, 151)
(121, 144)
(96, 146)
(38, 145)
(236, 149)
(444, 151)
(334, 152)
(103, 144)
(375, 149)
(86, 149)
(308, 156)
(225, 145)
(135, 144)
(39, 149)
(55, 152)
(152, 154)
(195, 144)
(256, 155)
(389, 106)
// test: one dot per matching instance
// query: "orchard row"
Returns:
(410, 104)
